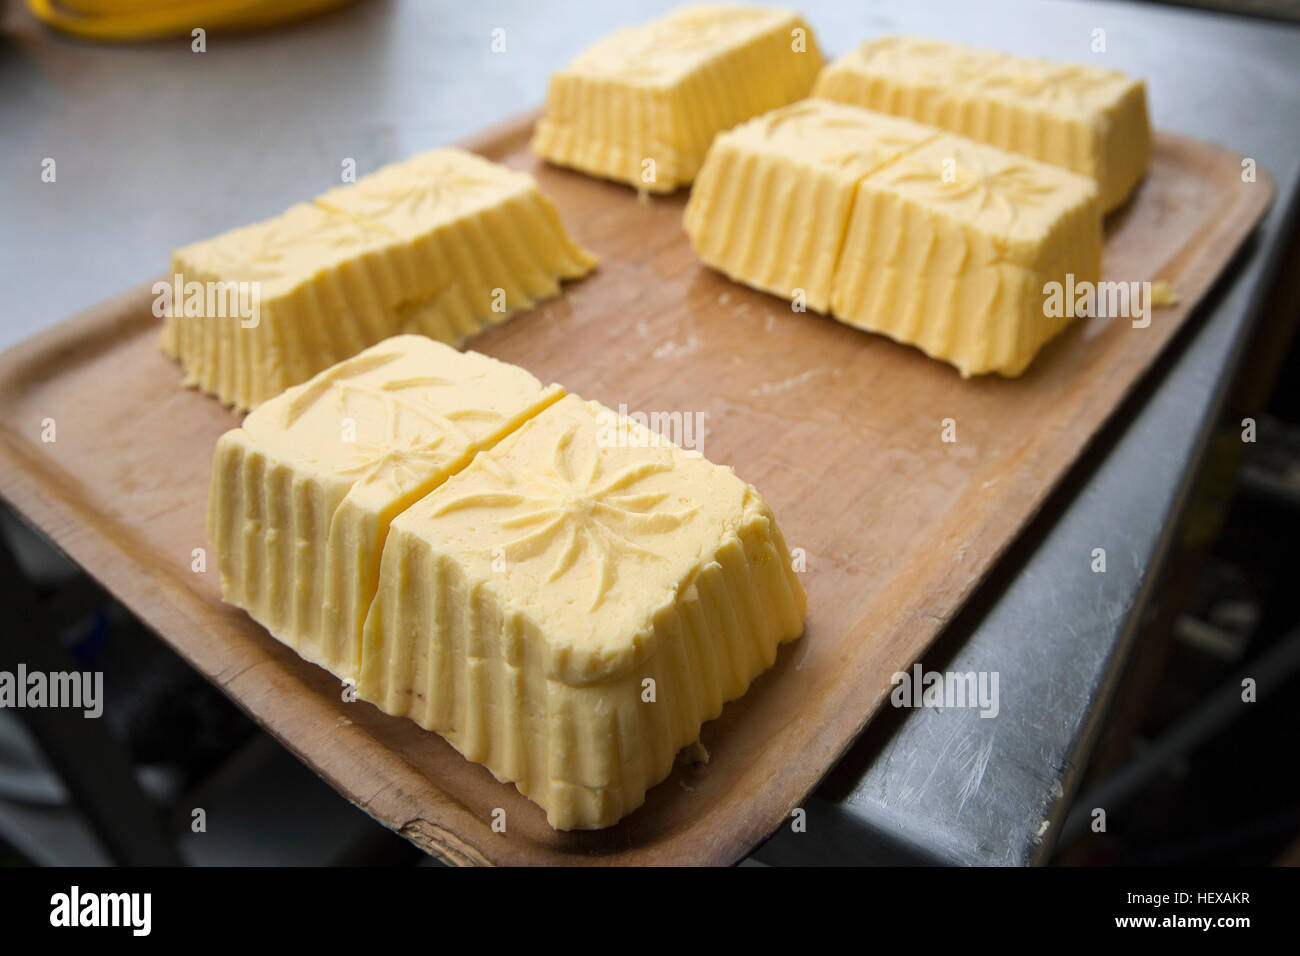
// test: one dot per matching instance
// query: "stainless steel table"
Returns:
(155, 145)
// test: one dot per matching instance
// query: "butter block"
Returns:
(303, 493)
(563, 595)
(928, 237)
(569, 610)
(772, 204)
(662, 90)
(1087, 119)
(949, 249)
(905, 76)
(443, 245)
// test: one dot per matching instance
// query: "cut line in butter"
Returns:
(642, 105)
(930, 238)
(302, 494)
(443, 244)
(1087, 119)
(566, 609)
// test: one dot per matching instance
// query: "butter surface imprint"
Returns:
(302, 494)
(507, 566)
(642, 105)
(443, 244)
(925, 236)
(1087, 119)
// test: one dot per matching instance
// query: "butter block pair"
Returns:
(1085, 118)
(480, 555)
(642, 105)
(303, 493)
(443, 244)
(891, 226)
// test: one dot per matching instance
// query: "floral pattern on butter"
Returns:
(576, 510)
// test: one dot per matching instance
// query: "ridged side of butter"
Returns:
(444, 244)
(931, 238)
(1090, 120)
(526, 603)
(303, 493)
(958, 268)
(563, 595)
(772, 203)
(662, 90)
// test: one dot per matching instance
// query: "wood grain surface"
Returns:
(838, 428)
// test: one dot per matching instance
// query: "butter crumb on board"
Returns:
(1163, 295)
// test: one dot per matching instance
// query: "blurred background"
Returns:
(158, 145)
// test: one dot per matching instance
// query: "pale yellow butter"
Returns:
(642, 105)
(563, 595)
(568, 611)
(951, 247)
(303, 493)
(1085, 118)
(906, 76)
(925, 236)
(443, 244)
(772, 204)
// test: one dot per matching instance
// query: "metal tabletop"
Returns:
(155, 146)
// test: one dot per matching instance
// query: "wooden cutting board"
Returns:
(840, 429)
